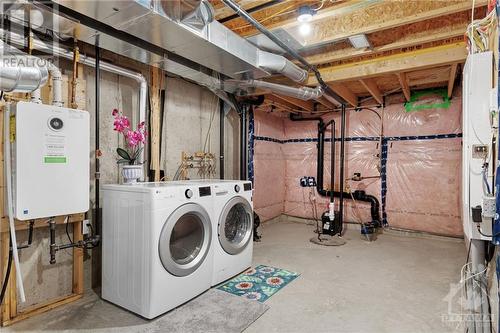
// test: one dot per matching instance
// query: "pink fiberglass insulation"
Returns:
(269, 166)
(423, 180)
(423, 176)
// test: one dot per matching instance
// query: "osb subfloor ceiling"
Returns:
(415, 44)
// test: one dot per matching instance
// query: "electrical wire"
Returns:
(478, 32)
(485, 235)
(320, 5)
(7, 273)
(67, 230)
(211, 120)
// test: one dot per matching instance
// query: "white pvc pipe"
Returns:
(56, 75)
(10, 211)
(36, 96)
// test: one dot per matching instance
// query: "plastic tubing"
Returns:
(10, 212)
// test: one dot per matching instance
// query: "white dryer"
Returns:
(156, 245)
(232, 224)
(233, 243)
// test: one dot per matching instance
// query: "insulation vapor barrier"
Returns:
(417, 180)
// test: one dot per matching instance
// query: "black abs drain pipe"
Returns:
(356, 195)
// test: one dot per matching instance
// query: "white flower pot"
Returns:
(131, 173)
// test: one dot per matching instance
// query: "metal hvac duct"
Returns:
(185, 28)
(22, 73)
(303, 93)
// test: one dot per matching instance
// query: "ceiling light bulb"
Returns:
(305, 29)
(305, 14)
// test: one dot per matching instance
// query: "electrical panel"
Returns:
(476, 144)
(50, 149)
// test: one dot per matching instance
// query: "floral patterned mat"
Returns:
(259, 283)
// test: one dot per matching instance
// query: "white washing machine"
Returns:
(233, 227)
(156, 245)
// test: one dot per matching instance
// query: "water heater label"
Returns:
(55, 148)
(54, 159)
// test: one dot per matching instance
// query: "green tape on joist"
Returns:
(415, 98)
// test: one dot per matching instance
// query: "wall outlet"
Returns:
(480, 151)
(307, 181)
(86, 227)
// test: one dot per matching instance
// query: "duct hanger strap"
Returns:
(242, 13)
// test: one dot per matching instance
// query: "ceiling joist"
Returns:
(407, 61)
(451, 81)
(384, 16)
(403, 81)
(345, 93)
(373, 89)
(410, 41)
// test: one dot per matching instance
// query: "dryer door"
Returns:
(235, 225)
(185, 239)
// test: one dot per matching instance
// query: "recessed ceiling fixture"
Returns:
(305, 29)
(360, 41)
(305, 14)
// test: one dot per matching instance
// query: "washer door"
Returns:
(185, 239)
(235, 225)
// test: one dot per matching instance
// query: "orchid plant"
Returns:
(134, 140)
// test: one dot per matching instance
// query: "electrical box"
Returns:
(50, 149)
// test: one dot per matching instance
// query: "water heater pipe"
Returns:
(56, 75)
(84, 60)
(10, 211)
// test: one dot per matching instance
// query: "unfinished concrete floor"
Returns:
(395, 284)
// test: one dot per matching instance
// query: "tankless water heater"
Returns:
(50, 148)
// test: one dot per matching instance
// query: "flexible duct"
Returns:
(278, 64)
(293, 53)
(22, 73)
(303, 93)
